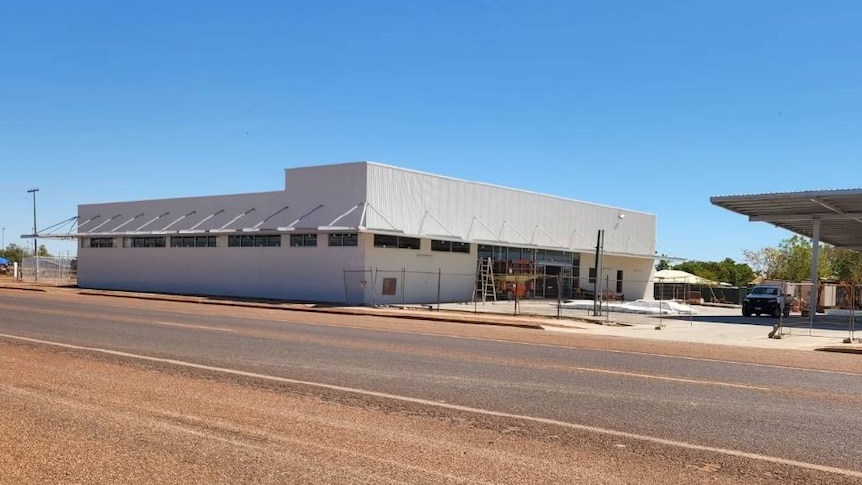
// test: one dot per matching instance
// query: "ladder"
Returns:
(485, 289)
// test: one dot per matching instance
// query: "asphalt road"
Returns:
(760, 413)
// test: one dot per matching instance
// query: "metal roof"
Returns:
(840, 213)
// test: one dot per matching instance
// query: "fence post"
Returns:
(781, 309)
(608, 304)
(688, 300)
(660, 303)
(851, 324)
(559, 294)
(373, 285)
(439, 277)
(403, 284)
(517, 282)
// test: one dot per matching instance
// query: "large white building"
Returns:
(366, 233)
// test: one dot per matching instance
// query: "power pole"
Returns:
(35, 235)
(597, 286)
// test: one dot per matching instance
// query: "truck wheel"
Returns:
(746, 314)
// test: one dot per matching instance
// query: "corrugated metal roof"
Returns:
(371, 197)
(502, 187)
(840, 213)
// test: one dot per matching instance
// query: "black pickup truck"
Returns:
(766, 299)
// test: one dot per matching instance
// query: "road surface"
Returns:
(97, 389)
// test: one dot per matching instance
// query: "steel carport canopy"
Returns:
(832, 216)
(839, 213)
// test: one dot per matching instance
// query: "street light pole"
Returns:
(35, 235)
(3, 240)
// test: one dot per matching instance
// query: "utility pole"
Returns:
(597, 286)
(35, 235)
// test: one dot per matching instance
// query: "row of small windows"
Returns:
(98, 242)
(450, 246)
(401, 242)
(144, 242)
(404, 242)
(193, 242)
(303, 240)
(296, 240)
(344, 239)
(254, 241)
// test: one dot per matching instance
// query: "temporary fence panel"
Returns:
(56, 271)
(386, 286)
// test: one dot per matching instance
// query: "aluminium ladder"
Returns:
(485, 277)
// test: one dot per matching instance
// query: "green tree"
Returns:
(737, 274)
(43, 251)
(662, 264)
(13, 252)
(797, 259)
(791, 260)
(844, 265)
(698, 268)
(725, 271)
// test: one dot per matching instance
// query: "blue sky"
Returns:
(651, 106)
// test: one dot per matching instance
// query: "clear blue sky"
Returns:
(651, 106)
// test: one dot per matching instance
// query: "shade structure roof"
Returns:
(840, 213)
(678, 276)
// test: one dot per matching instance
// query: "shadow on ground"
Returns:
(821, 322)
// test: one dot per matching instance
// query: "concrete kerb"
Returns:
(841, 350)
(298, 307)
(23, 288)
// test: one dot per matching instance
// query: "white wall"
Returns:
(457, 273)
(637, 274)
(294, 273)
(335, 188)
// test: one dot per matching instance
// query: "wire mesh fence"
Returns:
(836, 309)
(624, 301)
(56, 271)
(387, 286)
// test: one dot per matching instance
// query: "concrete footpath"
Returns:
(705, 328)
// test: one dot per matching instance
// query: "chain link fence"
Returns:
(617, 301)
(837, 307)
(54, 271)
(387, 286)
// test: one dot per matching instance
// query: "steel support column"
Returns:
(815, 262)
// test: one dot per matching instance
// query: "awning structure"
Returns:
(831, 216)
(839, 213)
(681, 277)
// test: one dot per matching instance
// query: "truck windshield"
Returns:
(765, 291)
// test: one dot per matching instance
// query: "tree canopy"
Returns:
(16, 253)
(43, 251)
(791, 261)
(13, 252)
(725, 271)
